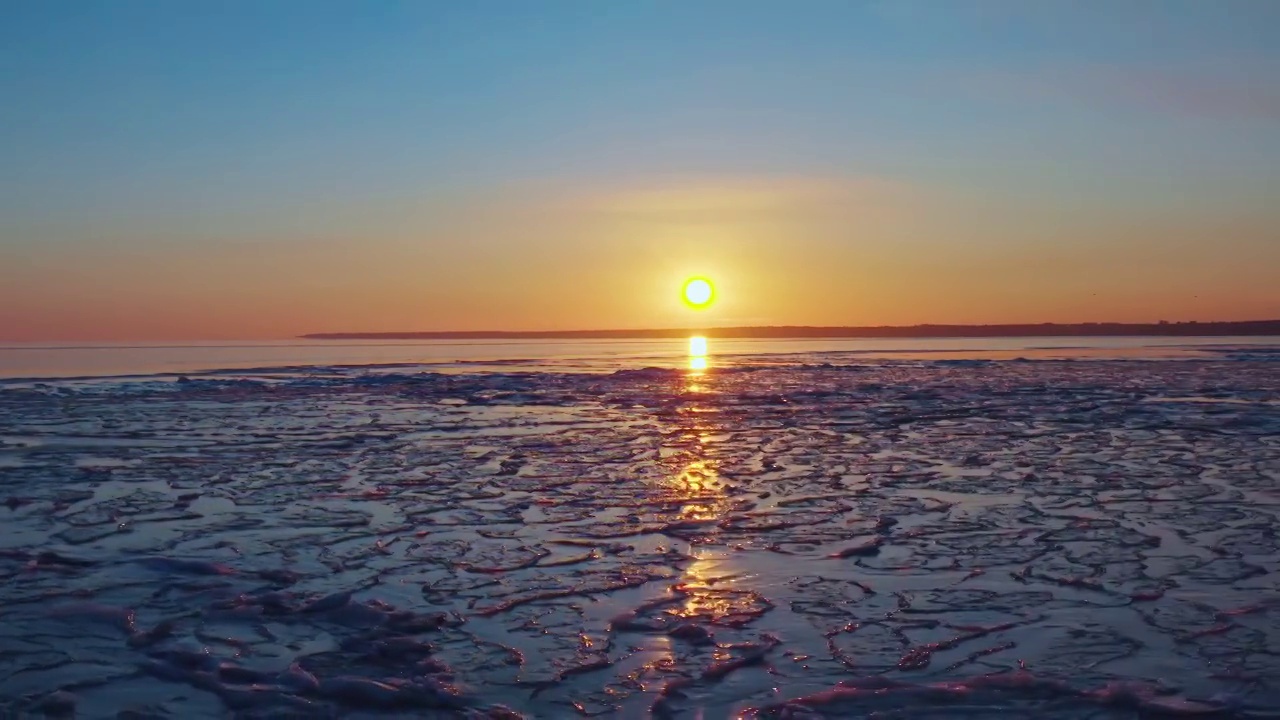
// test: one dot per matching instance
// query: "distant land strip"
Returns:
(1174, 329)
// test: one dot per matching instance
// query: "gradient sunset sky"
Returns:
(242, 170)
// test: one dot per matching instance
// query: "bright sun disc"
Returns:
(698, 292)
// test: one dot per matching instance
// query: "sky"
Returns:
(242, 169)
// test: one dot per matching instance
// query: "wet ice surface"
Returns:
(1089, 539)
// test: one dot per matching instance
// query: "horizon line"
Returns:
(1189, 328)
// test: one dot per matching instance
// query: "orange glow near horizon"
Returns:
(785, 250)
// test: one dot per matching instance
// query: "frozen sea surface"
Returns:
(897, 539)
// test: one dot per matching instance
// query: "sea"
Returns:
(890, 528)
(64, 361)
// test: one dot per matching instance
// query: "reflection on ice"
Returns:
(914, 539)
(708, 588)
(697, 477)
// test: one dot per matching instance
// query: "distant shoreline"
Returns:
(1172, 329)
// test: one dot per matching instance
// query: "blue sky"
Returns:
(134, 128)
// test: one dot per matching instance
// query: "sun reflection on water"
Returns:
(699, 485)
(698, 355)
(696, 581)
(708, 597)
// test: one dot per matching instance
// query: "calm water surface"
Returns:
(51, 361)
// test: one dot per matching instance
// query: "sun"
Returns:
(698, 293)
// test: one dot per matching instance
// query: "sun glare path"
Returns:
(698, 293)
(697, 354)
(697, 346)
